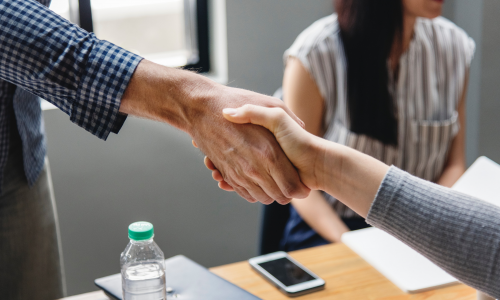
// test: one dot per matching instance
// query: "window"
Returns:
(169, 32)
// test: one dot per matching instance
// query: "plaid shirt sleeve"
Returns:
(52, 58)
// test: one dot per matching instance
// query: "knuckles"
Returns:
(282, 200)
(268, 154)
(291, 190)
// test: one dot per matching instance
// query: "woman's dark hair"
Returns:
(368, 29)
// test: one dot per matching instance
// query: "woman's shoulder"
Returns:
(319, 33)
(444, 33)
(441, 24)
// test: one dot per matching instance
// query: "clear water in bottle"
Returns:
(142, 265)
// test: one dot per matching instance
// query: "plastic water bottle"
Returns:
(142, 265)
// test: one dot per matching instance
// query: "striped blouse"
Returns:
(431, 80)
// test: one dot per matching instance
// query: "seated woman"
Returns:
(457, 232)
(387, 78)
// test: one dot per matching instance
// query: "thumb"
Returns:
(268, 117)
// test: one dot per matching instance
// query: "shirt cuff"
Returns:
(107, 73)
(120, 119)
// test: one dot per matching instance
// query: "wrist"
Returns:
(194, 97)
(167, 95)
(320, 169)
(331, 160)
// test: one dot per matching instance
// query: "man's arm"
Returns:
(248, 157)
(52, 58)
(87, 78)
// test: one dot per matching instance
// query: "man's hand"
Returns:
(247, 156)
(301, 147)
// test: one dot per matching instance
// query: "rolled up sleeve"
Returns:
(52, 58)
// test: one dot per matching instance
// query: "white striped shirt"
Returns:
(430, 84)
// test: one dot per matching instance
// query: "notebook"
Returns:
(188, 280)
(406, 268)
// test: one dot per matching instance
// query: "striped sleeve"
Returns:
(314, 50)
(457, 232)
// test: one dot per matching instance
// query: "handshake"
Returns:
(254, 144)
(320, 164)
(281, 182)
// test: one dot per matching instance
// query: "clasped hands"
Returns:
(348, 175)
(247, 158)
(293, 140)
(299, 146)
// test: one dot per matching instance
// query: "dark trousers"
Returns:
(30, 253)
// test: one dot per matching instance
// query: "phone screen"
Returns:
(286, 271)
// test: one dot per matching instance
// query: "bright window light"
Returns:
(154, 29)
(60, 7)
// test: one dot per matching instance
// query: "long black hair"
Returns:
(369, 29)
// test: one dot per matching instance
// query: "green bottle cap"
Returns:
(139, 231)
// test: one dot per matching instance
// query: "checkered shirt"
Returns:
(44, 55)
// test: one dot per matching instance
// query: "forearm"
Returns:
(455, 231)
(348, 175)
(168, 95)
(56, 60)
(320, 216)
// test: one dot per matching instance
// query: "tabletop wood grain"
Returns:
(346, 274)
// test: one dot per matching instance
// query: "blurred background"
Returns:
(150, 171)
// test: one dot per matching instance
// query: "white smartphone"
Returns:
(289, 276)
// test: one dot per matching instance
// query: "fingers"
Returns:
(274, 119)
(267, 187)
(288, 181)
(258, 115)
(217, 176)
(243, 193)
(209, 164)
(272, 189)
(225, 186)
(294, 117)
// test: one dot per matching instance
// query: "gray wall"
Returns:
(469, 16)
(151, 172)
(489, 124)
(259, 31)
(480, 19)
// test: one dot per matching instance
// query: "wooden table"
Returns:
(346, 274)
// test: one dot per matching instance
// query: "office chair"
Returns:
(273, 222)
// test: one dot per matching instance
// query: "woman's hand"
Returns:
(300, 146)
(348, 175)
